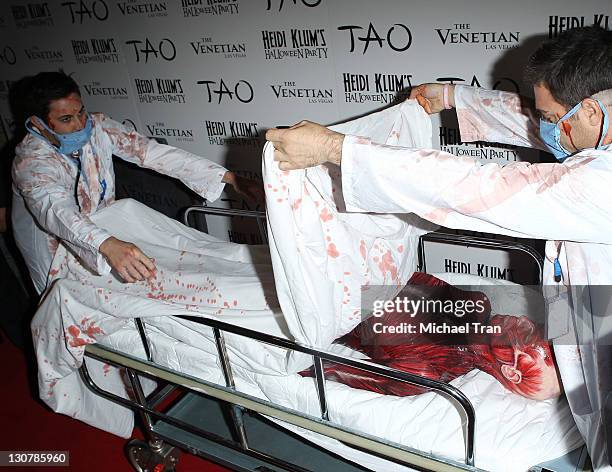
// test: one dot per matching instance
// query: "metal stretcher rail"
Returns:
(259, 216)
(361, 440)
(240, 401)
(469, 241)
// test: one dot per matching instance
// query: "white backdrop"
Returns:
(211, 76)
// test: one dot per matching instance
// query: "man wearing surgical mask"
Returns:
(63, 173)
(568, 203)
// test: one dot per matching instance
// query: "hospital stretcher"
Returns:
(233, 428)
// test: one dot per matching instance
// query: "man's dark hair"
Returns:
(574, 65)
(45, 87)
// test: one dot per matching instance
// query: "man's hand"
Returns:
(127, 260)
(247, 188)
(306, 144)
(431, 97)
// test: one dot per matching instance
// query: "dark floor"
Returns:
(27, 425)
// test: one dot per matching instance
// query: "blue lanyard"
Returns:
(76, 160)
(558, 273)
(103, 190)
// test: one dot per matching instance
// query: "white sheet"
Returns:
(321, 254)
(197, 275)
(508, 425)
(200, 275)
(533, 431)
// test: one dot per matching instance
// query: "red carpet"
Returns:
(27, 425)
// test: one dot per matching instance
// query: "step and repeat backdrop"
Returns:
(210, 76)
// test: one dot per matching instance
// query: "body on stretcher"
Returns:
(224, 418)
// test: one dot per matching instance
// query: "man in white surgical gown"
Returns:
(63, 172)
(569, 203)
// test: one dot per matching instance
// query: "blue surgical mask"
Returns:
(551, 132)
(70, 142)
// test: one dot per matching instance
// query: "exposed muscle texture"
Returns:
(517, 356)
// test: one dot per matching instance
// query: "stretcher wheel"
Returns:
(151, 457)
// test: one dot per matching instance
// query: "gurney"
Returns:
(221, 350)
(223, 422)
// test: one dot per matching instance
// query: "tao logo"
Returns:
(281, 4)
(503, 83)
(8, 56)
(243, 90)
(165, 49)
(97, 10)
(398, 37)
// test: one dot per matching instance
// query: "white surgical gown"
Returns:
(568, 204)
(51, 205)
